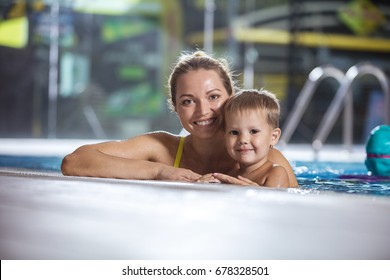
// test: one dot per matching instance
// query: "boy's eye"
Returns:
(233, 132)
(254, 131)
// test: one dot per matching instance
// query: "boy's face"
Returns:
(248, 137)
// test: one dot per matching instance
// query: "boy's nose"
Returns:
(243, 139)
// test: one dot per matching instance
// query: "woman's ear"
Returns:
(275, 136)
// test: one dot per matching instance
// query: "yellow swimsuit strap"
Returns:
(179, 152)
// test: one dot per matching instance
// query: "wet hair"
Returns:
(195, 61)
(252, 99)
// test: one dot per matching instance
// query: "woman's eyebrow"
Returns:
(180, 95)
(212, 90)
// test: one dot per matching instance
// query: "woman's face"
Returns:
(200, 95)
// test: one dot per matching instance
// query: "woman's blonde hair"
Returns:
(252, 99)
(194, 61)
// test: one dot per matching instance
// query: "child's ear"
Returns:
(275, 136)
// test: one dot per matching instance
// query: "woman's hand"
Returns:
(176, 174)
(242, 181)
(208, 178)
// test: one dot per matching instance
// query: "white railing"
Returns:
(343, 96)
(315, 77)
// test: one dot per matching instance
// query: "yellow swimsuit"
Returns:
(179, 152)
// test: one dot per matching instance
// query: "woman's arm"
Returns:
(143, 157)
(277, 157)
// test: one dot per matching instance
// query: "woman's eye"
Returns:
(214, 96)
(186, 102)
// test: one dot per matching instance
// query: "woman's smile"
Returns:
(206, 122)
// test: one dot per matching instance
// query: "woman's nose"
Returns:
(203, 107)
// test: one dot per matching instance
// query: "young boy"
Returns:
(251, 125)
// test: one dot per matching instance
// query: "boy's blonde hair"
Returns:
(252, 99)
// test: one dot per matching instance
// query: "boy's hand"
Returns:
(242, 181)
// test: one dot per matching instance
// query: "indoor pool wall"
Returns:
(45, 215)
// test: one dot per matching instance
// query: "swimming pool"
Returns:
(44, 215)
(345, 177)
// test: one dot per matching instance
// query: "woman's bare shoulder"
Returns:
(158, 138)
(154, 145)
(149, 146)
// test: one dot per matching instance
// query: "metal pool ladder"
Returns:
(343, 96)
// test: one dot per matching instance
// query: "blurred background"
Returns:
(97, 69)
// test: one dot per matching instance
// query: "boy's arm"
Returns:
(277, 157)
(277, 177)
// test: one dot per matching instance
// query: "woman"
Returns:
(199, 86)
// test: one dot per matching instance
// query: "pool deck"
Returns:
(44, 215)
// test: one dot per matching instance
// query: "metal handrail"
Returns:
(315, 77)
(344, 95)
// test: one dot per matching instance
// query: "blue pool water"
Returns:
(48, 163)
(344, 177)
